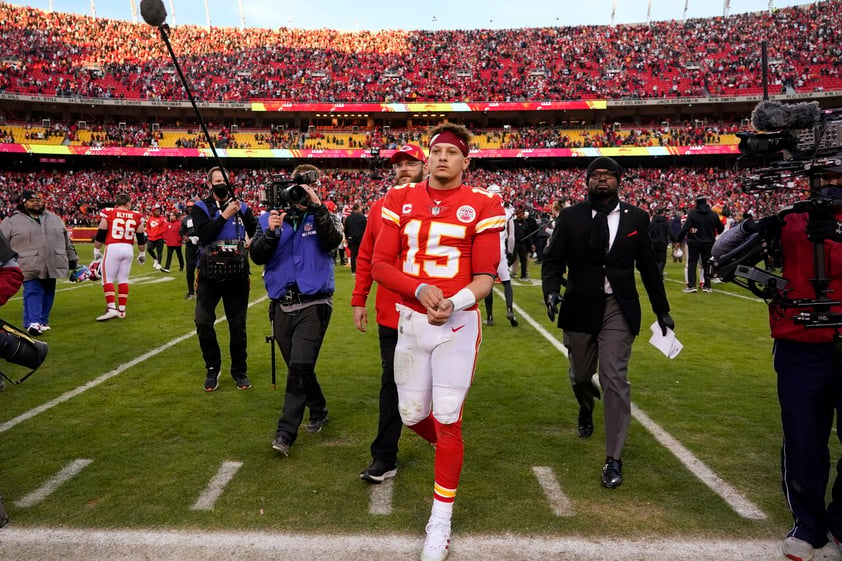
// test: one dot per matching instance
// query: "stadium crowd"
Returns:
(78, 196)
(68, 55)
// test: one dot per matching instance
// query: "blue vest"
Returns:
(298, 259)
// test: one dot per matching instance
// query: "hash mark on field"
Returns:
(381, 498)
(558, 500)
(208, 498)
(48, 488)
(731, 496)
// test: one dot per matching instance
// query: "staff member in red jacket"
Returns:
(156, 230)
(173, 240)
(408, 163)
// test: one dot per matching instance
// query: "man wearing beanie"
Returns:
(700, 229)
(598, 244)
(45, 253)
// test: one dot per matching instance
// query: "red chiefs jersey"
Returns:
(156, 227)
(441, 237)
(121, 225)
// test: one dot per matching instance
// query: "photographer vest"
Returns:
(298, 260)
(226, 258)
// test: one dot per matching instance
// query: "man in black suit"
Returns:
(598, 244)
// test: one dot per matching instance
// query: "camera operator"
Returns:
(809, 374)
(222, 223)
(294, 244)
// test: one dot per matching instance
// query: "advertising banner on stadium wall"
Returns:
(424, 107)
(283, 154)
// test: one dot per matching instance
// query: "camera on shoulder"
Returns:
(283, 193)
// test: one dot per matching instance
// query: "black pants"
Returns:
(661, 256)
(177, 250)
(523, 256)
(355, 250)
(696, 252)
(235, 298)
(191, 255)
(385, 444)
(156, 249)
(299, 335)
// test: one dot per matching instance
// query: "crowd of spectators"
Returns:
(69, 55)
(78, 196)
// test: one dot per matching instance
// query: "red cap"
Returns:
(411, 150)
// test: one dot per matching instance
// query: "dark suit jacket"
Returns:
(584, 300)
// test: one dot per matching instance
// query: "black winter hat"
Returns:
(606, 163)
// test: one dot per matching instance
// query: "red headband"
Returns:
(450, 138)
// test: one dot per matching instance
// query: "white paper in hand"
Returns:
(667, 344)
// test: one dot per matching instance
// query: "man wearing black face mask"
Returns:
(222, 224)
(598, 244)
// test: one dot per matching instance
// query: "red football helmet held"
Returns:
(94, 271)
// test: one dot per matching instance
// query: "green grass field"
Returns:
(155, 438)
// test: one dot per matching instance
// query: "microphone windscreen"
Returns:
(774, 116)
(769, 116)
(153, 12)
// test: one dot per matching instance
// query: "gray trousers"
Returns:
(610, 349)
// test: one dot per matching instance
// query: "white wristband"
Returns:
(419, 289)
(463, 299)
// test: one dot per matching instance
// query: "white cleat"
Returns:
(110, 313)
(437, 544)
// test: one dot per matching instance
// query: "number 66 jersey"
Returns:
(437, 237)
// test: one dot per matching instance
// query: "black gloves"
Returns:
(72, 264)
(666, 321)
(824, 228)
(553, 301)
(769, 227)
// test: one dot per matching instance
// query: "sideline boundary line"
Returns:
(141, 545)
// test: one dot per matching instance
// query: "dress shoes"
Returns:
(585, 422)
(612, 473)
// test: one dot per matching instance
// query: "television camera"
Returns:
(283, 193)
(798, 140)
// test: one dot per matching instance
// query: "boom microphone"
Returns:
(153, 12)
(774, 116)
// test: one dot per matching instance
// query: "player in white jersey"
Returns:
(507, 247)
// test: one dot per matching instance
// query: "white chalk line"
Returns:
(732, 497)
(11, 423)
(217, 484)
(380, 500)
(67, 473)
(559, 502)
(141, 545)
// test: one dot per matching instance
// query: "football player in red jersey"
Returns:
(118, 228)
(439, 249)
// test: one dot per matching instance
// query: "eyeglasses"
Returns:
(602, 175)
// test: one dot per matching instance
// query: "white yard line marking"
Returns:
(732, 497)
(381, 498)
(11, 423)
(144, 544)
(735, 500)
(208, 498)
(558, 500)
(67, 473)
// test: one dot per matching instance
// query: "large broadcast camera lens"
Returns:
(296, 195)
(764, 143)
